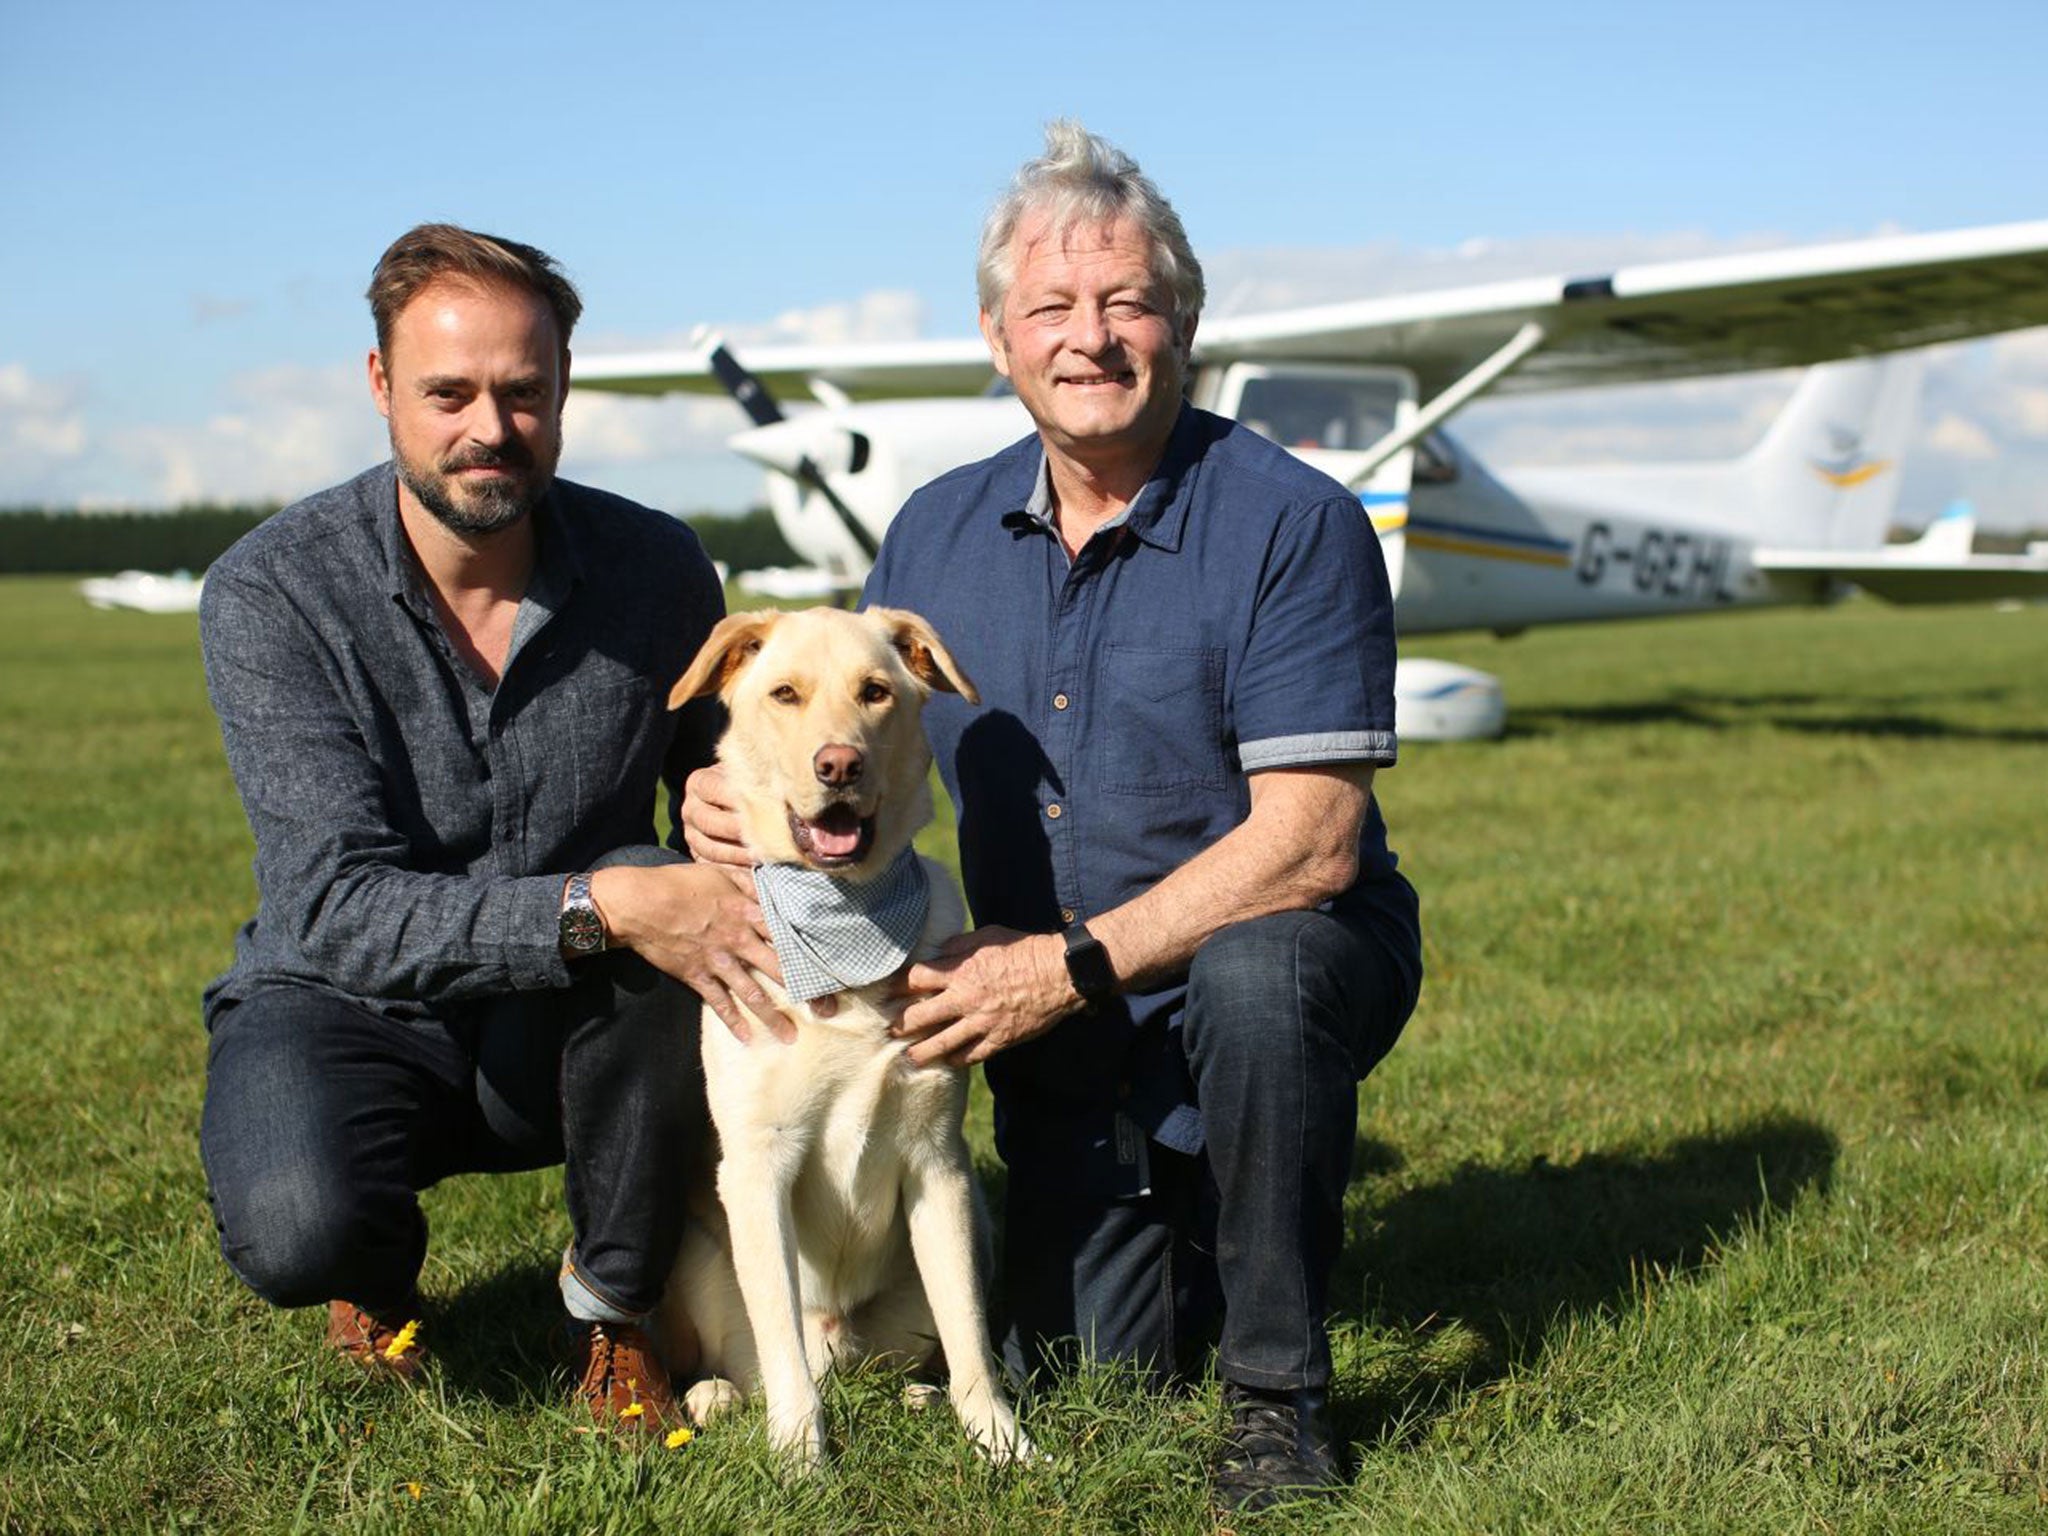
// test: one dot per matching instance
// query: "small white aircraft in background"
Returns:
(144, 591)
(1362, 389)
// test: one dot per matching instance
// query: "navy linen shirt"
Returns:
(1235, 618)
(413, 826)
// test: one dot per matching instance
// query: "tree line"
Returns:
(64, 541)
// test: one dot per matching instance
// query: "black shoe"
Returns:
(1277, 1448)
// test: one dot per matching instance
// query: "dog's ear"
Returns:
(923, 652)
(726, 650)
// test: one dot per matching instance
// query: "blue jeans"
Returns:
(1284, 1016)
(324, 1118)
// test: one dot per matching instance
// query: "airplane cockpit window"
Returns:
(1319, 410)
(1436, 461)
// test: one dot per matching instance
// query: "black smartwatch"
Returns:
(1088, 966)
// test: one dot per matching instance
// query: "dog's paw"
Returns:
(1010, 1448)
(799, 1439)
(996, 1431)
(710, 1398)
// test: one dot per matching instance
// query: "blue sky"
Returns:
(195, 194)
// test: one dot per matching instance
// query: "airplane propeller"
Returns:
(786, 450)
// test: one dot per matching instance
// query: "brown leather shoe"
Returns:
(620, 1378)
(385, 1341)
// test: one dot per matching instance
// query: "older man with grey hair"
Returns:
(1193, 942)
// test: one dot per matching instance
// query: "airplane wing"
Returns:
(1937, 567)
(863, 371)
(1897, 579)
(1661, 320)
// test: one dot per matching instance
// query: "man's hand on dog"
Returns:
(692, 922)
(984, 992)
(711, 823)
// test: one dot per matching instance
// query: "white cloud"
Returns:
(884, 315)
(615, 429)
(2021, 355)
(286, 431)
(2030, 411)
(668, 452)
(43, 432)
(1961, 438)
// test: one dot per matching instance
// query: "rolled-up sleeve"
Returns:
(1317, 679)
(331, 868)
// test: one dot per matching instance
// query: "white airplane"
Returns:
(144, 591)
(1362, 389)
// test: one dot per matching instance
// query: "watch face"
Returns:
(582, 930)
(1088, 964)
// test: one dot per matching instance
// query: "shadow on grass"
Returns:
(1901, 717)
(1514, 1256)
(495, 1338)
(1510, 1257)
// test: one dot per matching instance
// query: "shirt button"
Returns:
(1067, 915)
(1059, 701)
(1053, 812)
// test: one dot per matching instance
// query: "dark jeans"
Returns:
(1284, 1016)
(324, 1118)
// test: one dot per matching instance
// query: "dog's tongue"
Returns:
(836, 834)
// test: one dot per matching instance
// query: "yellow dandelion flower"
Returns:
(402, 1341)
(633, 1411)
(414, 1490)
(678, 1438)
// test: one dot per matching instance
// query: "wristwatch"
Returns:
(582, 923)
(1088, 966)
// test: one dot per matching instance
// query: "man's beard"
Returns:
(486, 506)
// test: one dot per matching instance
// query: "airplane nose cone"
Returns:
(784, 445)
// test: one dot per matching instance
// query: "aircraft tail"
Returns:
(1826, 475)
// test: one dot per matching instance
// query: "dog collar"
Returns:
(831, 934)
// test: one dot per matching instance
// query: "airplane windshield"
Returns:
(1319, 410)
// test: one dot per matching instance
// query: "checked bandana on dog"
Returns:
(841, 1167)
(832, 934)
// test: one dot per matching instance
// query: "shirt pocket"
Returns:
(1158, 723)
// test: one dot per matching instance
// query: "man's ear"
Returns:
(380, 384)
(998, 349)
(923, 652)
(724, 655)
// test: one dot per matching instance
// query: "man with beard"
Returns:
(442, 688)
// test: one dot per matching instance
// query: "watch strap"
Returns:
(1088, 966)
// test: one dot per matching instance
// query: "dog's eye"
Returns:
(785, 695)
(874, 692)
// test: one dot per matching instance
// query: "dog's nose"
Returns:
(837, 766)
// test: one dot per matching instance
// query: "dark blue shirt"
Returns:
(413, 825)
(1237, 617)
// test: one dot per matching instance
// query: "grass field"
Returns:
(1705, 1192)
